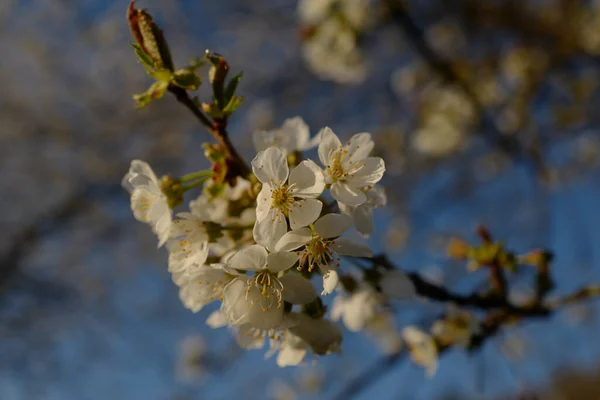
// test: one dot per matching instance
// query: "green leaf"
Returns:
(231, 87)
(154, 92)
(233, 104)
(144, 57)
(186, 79)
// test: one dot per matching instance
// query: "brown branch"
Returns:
(501, 312)
(218, 129)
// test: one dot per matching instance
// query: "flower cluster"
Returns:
(332, 31)
(254, 247)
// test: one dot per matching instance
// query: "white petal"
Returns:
(270, 230)
(363, 219)
(264, 312)
(281, 261)
(304, 212)
(332, 225)
(329, 144)
(348, 247)
(217, 319)
(259, 139)
(247, 338)
(263, 202)
(140, 174)
(346, 194)
(313, 142)
(377, 196)
(297, 290)
(249, 258)
(294, 239)
(290, 356)
(397, 284)
(359, 147)
(234, 304)
(330, 281)
(270, 166)
(321, 335)
(308, 180)
(368, 174)
(297, 129)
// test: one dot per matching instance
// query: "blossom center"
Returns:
(282, 198)
(318, 252)
(270, 289)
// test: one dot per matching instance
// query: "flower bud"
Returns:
(458, 249)
(149, 37)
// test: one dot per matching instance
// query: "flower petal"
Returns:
(253, 257)
(264, 312)
(247, 338)
(308, 180)
(329, 144)
(297, 290)
(217, 319)
(270, 166)
(304, 212)
(359, 147)
(330, 281)
(234, 303)
(270, 230)
(263, 202)
(291, 356)
(298, 131)
(348, 247)
(294, 239)
(281, 261)
(363, 219)
(368, 174)
(351, 196)
(332, 225)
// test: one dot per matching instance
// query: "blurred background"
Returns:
(484, 111)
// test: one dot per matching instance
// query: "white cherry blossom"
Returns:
(457, 327)
(284, 193)
(322, 247)
(363, 214)
(332, 53)
(148, 203)
(205, 285)
(306, 334)
(257, 300)
(357, 309)
(188, 246)
(348, 168)
(423, 349)
(294, 135)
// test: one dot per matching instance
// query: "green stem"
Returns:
(204, 174)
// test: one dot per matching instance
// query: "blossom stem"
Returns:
(196, 175)
(218, 130)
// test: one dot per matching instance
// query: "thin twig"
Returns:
(217, 129)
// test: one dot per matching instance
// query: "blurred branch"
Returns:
(501, 312)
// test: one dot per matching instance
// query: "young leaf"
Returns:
(231, 87)
(144, 57)
(233, 104)
(154, 92)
